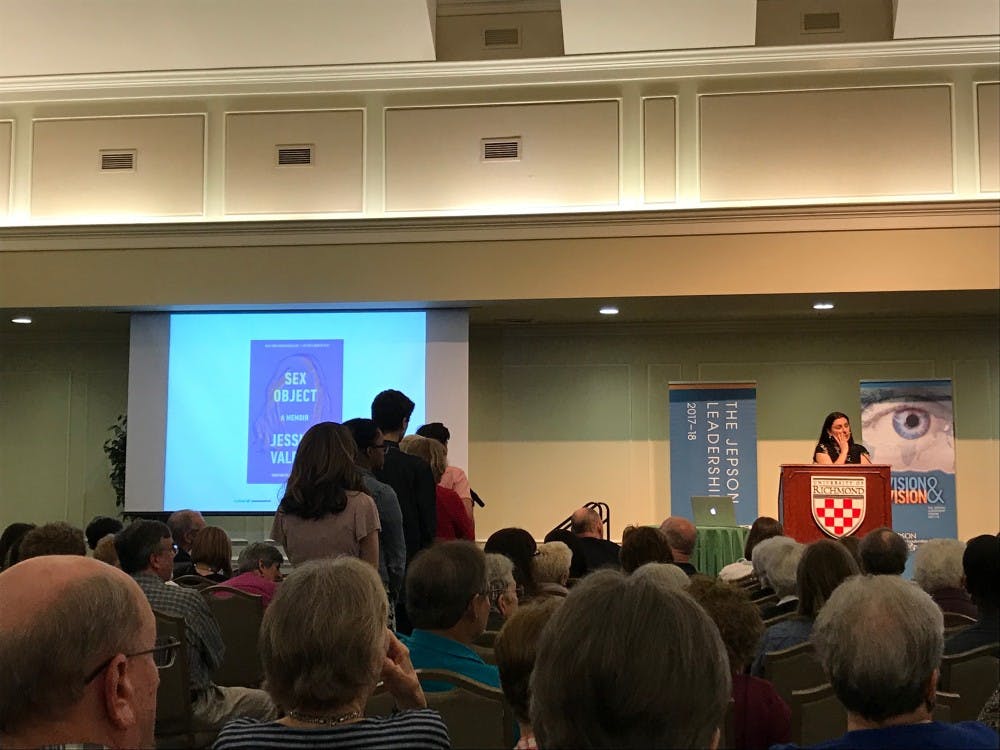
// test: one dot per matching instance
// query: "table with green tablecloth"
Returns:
(717, 546)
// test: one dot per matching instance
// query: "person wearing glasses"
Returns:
(80, 656)
(448, 601)
(146, 552)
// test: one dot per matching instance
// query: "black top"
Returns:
(413, 482)
(687, 567)
(833, 451)
(600, 553)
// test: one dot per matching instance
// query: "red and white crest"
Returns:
(838, 504)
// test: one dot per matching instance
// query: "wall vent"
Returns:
(501, 149)
(820, 23)
(509, 38)
(118, 160)
(295, 156)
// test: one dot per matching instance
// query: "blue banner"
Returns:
(713, 445)
(909, 424)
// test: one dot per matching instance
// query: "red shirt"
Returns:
(453, 521)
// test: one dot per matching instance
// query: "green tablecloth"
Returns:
(717, 546)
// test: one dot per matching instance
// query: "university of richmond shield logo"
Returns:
(838, 504)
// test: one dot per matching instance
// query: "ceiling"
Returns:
(932, 306)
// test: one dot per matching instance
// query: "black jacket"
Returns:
(413, 482)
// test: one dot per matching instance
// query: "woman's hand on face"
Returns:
(399, 676)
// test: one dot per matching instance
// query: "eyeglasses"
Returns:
(172, 549)
(164, 653)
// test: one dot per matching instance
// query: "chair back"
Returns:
(955, 621)
(766, 601)
(973, 675)
(173, 699)
(817, 715)
(192, 581)
(477, 716)
(944, 703)
(778, 618)
(239, 615)
(795, 668)
(486, 654)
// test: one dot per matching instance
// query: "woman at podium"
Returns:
(836, 444)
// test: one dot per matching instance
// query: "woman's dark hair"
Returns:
(520, 547)
(825, 564)
(364, 431)
(100, 527)
(763, 528)
(10, 543)
(322, 473)
(213, 548)
(824, 433)
(435, 431)
(578, 565)
(644, 544)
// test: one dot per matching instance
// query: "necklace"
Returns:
(331, 720)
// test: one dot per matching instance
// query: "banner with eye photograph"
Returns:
(909, 424)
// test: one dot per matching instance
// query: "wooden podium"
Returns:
(849, 500)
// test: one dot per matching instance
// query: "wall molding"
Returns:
(507, 228)
(673, 64)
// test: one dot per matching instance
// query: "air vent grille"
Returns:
(118, 160)
(295, 156)
(502, 38)
(501, 149)
(816, 23)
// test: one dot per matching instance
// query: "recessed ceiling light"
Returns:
(609, 310)
(21, 319)
(823, 306)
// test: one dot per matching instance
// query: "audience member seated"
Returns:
(627, 661)
(990, 715)
(105, 551)
(324, 646)
(551, 568)
(99, 528)
(453, 477)
(453, 519)
(146, 551)
(369, 457)
(883, 553)
(763, 528)
(681, 536)
(879, 640)
(823, 566)
(325, 511)
(184, 525)
(981, 563)
(666, 573)
(578, 563)
(212, 554)
(515, 651)
(760, 717)
(521, 548)
(57, 538)
(448, 601)
(79, 654)
(502, 588)
(781, 572)
(10, 543)
(258, 571)
(853, 545)
(641, 545)
(937, 569)
(599, 552)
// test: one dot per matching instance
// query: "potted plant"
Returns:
(114, 449)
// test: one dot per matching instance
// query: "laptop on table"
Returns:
(713, 510)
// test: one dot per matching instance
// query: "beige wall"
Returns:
(560, 416)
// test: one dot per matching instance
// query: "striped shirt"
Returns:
(421, 728)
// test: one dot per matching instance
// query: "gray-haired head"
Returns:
(552, 562)
(937, 564)
(668, 574)
(257, 553)
(659, 692)
(879, 639)
(782, 567)
(499, 577)
(441, 581)
(765, 552)
(323, 636)
(883, 552)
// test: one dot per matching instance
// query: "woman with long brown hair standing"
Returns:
(325, 511)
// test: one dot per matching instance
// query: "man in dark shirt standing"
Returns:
(597, 551)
